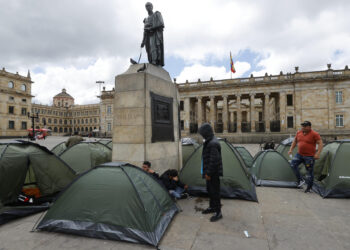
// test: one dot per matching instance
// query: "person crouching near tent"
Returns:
(75, 139)
(171, 181)
(146, 166)
(212, 170)
(306, 138)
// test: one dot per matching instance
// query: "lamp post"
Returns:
(99, 83)
(34, 116)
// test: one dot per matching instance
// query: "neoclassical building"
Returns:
(15, 103)
(250, 109)
(242, 110)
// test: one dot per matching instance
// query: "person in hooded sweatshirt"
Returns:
(211, 170)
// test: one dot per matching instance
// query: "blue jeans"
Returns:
(309, 162)
(177, 192)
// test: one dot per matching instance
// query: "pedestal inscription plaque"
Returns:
(162, 118)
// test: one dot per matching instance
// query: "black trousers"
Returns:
(213, 189)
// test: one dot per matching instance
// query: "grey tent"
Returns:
(30, 169)
(332, 170)
(107, 142)
(284, 147)
(189, 145)
(86, 155)
(235, 183)
(270, 168)
(246, 156)
(59, 148)
(116, 201)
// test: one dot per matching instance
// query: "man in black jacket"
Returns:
(211, 170)
(171, 182)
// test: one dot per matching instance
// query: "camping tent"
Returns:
(270, 168)
(246, 156)
(59, 148)
(107, 142)
(284, 147)
(115, 201)
(34, 170)
(86, 155)
(332, 170)
(235, 183)
(189, 145)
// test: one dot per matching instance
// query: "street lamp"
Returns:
(33, 117)
(99, 83)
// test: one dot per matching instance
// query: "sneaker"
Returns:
(217, 216)
(209, 210)
(301, 183)
(184, 196)
(307, 190)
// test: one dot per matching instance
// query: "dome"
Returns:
(63, 94)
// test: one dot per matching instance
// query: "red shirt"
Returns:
(307, 142)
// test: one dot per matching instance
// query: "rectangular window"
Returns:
(338, 97)
(290, 122)
(339, 120)
(109, 127)
(24, 100)
(109, 109)
(24, 111)
(182, 124)
(11, 124)
(260, 116)
(11, 109)
(289, 100)
(11, 98)
(24, 125)
(181, 105)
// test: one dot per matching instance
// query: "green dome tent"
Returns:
(235, 183)
(107, 142)
(270, 168)
(86, 155)
(116, 201)
(332, 170)
(284, 147)
(59, 148)
(246, 156)
(189, 145)
(28, 166)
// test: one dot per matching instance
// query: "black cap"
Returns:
(306, 123)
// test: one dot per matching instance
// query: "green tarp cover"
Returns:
(332, 171)
(113, 201)
(86, 155)
(235, 183)
(270, 168)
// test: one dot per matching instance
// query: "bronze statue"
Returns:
(153, 36)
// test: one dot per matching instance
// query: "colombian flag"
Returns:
(232, 66)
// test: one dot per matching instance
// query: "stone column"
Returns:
(212, 111)
(282, 104)
(187, 115)
(225, 114)
(252, 112)
(199, 111)
(266, 112)
(239, 114)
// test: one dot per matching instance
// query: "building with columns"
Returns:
(255, 109)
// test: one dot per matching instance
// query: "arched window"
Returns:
(23, 87)
(55, 122)
(55, 129)
(86, 121)
(49, 120)
(61, 130)
(65, 130)
(90, 129)
(65, 122)
(86, 129)
(11, 85)
(82, 121)
(60, 121)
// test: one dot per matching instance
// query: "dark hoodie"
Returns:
(211, 155)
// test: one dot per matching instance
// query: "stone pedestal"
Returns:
(146, 121)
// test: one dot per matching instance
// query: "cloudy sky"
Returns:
(72, 44)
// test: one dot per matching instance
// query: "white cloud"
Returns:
(192, 73)
(77, 43)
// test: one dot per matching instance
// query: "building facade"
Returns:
(272, 105)
(15, 103)
(242, 110)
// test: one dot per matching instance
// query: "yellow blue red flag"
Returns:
(233, 70)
